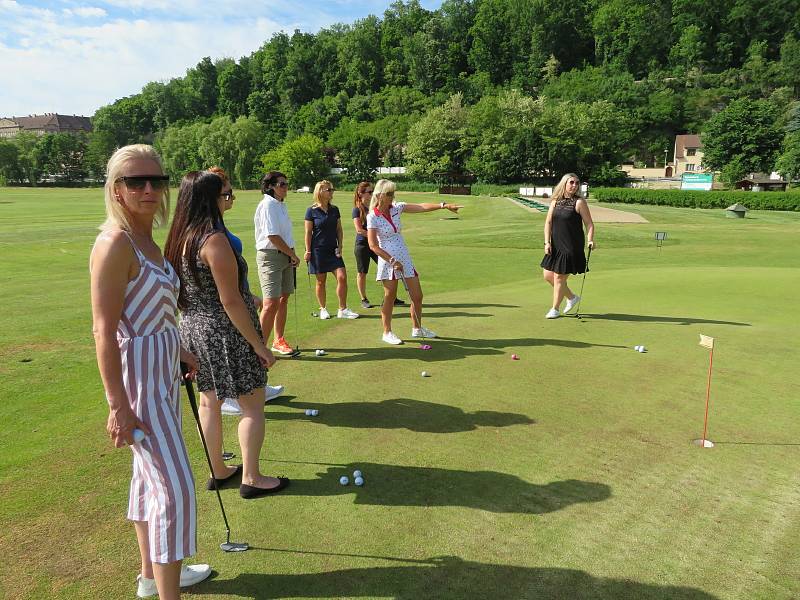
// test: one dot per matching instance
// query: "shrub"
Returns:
(700, 199)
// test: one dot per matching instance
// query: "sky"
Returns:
(72, 57)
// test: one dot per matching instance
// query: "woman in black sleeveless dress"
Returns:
(564, 241)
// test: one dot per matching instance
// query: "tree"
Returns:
(788, 163)
(9, 162)
(741, 138)
(358, 153)
(178, 146)
(434, 142)
(790, 62)
(233, 83)
(301, 159)
(27, 156)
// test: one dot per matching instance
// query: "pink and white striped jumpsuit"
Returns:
(162, 487)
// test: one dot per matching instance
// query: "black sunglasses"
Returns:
(228, 196)
(139, 182)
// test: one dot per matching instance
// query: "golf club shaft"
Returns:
(193, 403)
(583, 282)
(296, 337)
(411, 302)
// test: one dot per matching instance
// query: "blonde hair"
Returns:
(317, 189)
(116, 215)
(558, 193)
(382, 187)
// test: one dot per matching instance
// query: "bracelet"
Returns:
(392, 260)
(442, 204)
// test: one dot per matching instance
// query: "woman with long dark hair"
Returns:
(220, 325)
(564, 240)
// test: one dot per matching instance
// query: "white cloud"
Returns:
(86, 12)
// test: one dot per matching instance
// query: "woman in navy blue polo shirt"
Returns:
(323, 237)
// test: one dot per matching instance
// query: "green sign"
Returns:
(697, 181)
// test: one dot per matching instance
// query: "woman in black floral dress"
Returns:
(219, 323)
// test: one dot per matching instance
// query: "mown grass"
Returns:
(566, 474)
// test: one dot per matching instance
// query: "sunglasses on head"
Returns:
(228, 196)
(139, 182)
(367, 192)
(326, 190)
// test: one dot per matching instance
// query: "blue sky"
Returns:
(73, 57)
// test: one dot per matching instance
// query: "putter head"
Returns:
(234, 546)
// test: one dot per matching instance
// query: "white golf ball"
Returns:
(359, 481)
(319, 352)
(309, 412)
(356, 474)
(344, 480)
(425, 374)
(314, 412)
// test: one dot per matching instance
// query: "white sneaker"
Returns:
(190, 575)
(272, 391)
(422, 332)
(231, 407)
(572, 303)
(324, 314)
(552, 314)
(346, 313)
(391, 338)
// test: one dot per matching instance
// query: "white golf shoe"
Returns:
(324, 314)
(422, 332)
(552, 314)
(272, 391)
(346, 313)
(391, 338)
(190, 575)
(572, 303)
(230, 407)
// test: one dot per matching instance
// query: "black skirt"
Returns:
(566, 242)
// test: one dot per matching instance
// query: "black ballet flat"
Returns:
(225, 482)
(248, 492)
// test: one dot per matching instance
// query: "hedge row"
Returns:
(699, 199)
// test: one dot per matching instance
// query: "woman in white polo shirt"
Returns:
(275, 258)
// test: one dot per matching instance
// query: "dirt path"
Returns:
(600, 214)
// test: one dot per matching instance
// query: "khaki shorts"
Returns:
(274, 273)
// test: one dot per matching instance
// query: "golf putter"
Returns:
(296, 352)
(228, 545)
(577, 308)
(314, 313)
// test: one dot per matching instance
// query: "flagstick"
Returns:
(708, 395)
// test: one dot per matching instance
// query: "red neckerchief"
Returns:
(380, 214)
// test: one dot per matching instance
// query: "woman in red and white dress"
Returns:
(394, 260)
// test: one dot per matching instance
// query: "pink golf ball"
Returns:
(514, 357)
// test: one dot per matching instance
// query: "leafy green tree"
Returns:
(400, 23)
(233, 84)
(179, 146)
(434, 142)
(127, 121)
(319, 117)
(788, 163)
(741, 138)
(790, 62)
(9, 162)
(201, 88)
(28, 157)
(359, 57)
(357, 152)
(301, 159)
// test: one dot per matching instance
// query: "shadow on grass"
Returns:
(442, 578)
(450, 348)
(658, 319)
(392, 485)
(402, 413)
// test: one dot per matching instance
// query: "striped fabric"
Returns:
(162, 488)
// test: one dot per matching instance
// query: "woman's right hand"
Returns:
(548, 248)
(121, 424)
(265, 357)
(307, 256)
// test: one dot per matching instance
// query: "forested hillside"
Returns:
(509, 90)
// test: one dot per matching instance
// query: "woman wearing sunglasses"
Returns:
(134, 293)
(394, 260)
(220, 325)
(564, 241)
(275, 257)
(361, 198)
(231, 406)
(323, 238)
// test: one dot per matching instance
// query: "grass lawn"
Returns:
(567, 474)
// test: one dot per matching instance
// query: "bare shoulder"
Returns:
(216, 246)
(112, 247)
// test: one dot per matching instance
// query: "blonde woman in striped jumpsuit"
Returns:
(134, 296)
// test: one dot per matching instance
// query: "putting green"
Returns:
(569, 473)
